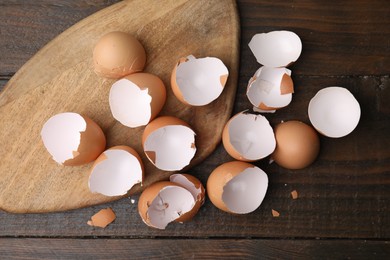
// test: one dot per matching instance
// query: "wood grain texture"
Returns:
(59, 78)
(191, 249)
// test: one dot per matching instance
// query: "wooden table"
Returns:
(343, 209)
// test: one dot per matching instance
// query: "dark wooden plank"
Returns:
(190, 248)
(339, 38)
(2, 84)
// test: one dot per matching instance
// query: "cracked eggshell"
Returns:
(197, 190)
(270, 88)
(198, 82)
(276, 48)
(164, 202)
(297, 145)
(169, 143)
(248, 137)
(116, 171)
(137, 99)
(334, 112)
(72, 139)
(118, 54)
(237, 187)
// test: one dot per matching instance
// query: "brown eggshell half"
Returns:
(92, 144)
(118, 54)
(297, 145)
(220, 177)
(199, 200)
(174, 86)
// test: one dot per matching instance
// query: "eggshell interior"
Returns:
(116, 171)
(72, 139)
(276, 48)
(136, 99)
(270, 88)
(198, 82)
(334, 112)
(248, 137)
(245, 192)
(169, 143)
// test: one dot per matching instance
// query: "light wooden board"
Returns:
(60, 78)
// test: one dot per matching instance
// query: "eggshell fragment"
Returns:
(237, 187)
(276, 48)
(275, 213)
(137, 99)
(197, 190)
(334, 112)
(169, 143)
(116, 171)
(297, 145)
(270, 88)
(198, 82)
(72, 139)
(294, 195)
(103, 218)
(248, 137)
(164, 202)
(118, 54)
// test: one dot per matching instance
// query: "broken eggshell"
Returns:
(198, 82)
(237, 187)
(334, 112)
(197, 190)
(169, 143)
(72, 139)
(248, 137)
(276, 48)
(270, 89)
(116, 171)
(118, 54)
(102, 218)
(164, 202)
(137, 99)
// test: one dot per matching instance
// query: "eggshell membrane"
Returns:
(297, 145)
(91, 139)
(118, 54)
(197, 190)
(334, 112)
(151, 193)
(228, 183)
(110, 176)
(166, 122)
(276, 48)
(270, 88)
(102, 218)
(137, 108)
(208, 90)
(244, 136)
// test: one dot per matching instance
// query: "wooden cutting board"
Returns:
(60, 78)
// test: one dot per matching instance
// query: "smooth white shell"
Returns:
(334, 112)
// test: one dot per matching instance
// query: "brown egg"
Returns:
(137, 99)
(72, 139)
(197, 190)
(237, 187)
(118, 54)
(169, 143)
(164, 202)
(297, 145)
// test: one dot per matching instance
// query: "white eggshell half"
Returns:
(116, 174)
(130, 104)
(246, 191)
(170, 203)
(199, 80)
(276, 48)
(61, 135)
(172, 146)
(334, 112)
(265, 87)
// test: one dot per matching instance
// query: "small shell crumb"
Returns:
(294, 194)
(275, 213)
